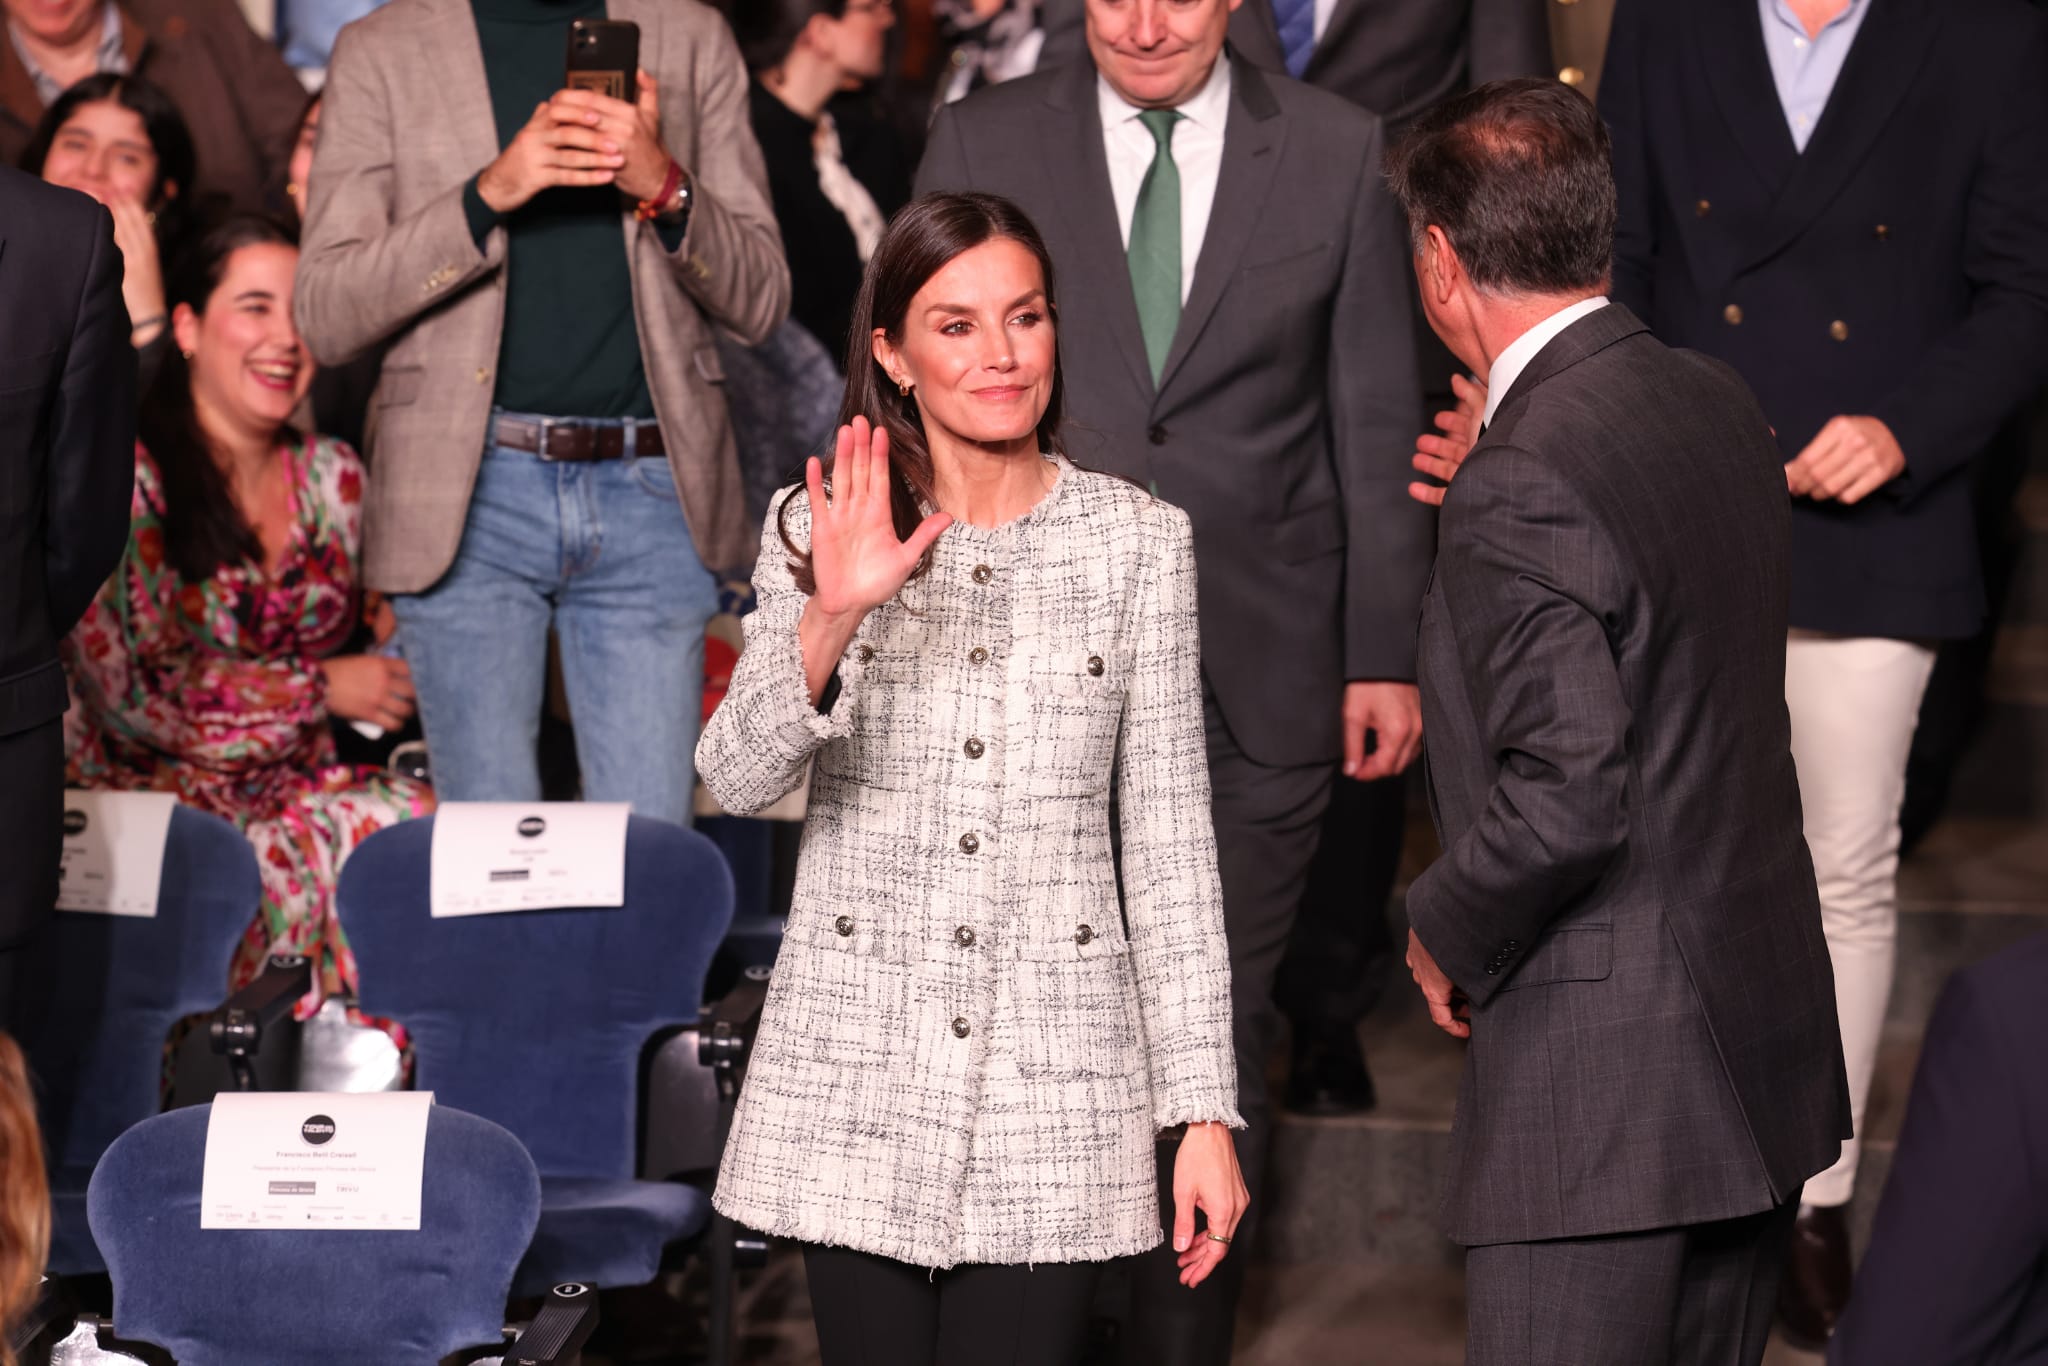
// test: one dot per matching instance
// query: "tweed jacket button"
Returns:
(1083, 935)
(977, 655)
(1839, 330)
(982, 573)
(1733, 315)
(844, 924)
(969, 842)
(964, 937)
(1095, 665)
(974, 749)
(866, 654)
(961, 1029)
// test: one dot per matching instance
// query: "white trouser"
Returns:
(1854, 703)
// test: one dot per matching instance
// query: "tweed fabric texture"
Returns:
(966, 1055)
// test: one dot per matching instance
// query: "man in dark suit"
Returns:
(1843, 199)
(1624, 920)
(1957, 1270)
(1231, 272)
(1394, 58)
(67, 468)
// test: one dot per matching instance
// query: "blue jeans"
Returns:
(601, 550)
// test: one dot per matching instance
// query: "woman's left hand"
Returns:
(1205, 1177)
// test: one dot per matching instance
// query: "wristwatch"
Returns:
(678, 204)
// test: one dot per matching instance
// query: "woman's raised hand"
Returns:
(856, 557)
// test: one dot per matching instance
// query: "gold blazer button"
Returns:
(1839, 330)
(1733, 313)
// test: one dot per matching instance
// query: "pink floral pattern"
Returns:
(212, 690)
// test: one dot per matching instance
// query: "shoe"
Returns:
(1815, 1289)
(1328, 1077)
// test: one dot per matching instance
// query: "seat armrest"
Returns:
(558, 1332)
(726, 1036)
(237, 1028)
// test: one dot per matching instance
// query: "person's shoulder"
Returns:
(789, 512)
(329, 457)
(32, 210)
(1115, 498)
(2010, 24)
(1006, 102)
(1330, 114)
(392, 17)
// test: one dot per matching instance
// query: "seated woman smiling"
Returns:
(207, 666)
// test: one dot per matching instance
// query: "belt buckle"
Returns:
(540, 445)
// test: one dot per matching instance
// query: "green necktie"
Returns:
(1154, 253)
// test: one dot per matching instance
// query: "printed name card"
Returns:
(114, 851)
(491, 857)
(315, 1160)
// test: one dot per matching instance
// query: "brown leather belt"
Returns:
(575, 438)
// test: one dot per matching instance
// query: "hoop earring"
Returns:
(903, 388)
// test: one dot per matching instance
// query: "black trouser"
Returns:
(1699, 1295)
(32, 815)
(1268, 822)
(1342, 952)
(874, 1311)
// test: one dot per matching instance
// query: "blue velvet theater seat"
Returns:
(332, 1297)
(96, 995)
(538, 1020)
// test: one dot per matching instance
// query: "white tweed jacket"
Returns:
(968, 1052)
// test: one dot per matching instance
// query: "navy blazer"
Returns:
(1957, 1272)
(1898, 268)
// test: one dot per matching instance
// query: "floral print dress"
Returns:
(212, 690)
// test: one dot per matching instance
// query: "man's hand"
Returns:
(1448, 1008)
(1439, 456)
(633, 129)
(1392, 712)
(547, 153)
(1851, 458)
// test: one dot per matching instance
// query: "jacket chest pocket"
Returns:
(1077, 1006)
(1076, 708)
(890, 747)
(842, 993)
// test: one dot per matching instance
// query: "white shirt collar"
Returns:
(1207, 108)
(1509, 364)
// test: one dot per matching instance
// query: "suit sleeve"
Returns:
(92, 440)
(1375, 412)
(730, 257)
(1509, 38)
(363, 272)
(1173, 897)
(1972, 379)
(1528, 582)
(945, 164)
(1621, 107)
(1959, 1233)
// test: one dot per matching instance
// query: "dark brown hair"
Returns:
(176, 161)
(24, 1195)
(921, 241)
(203, 529)
(1519, 175)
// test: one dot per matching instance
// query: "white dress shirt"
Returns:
(1197, 151)
(1805, 69)
(1509, 364)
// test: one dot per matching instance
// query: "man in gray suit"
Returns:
(1233, 301)
(1624, 920)
(550, 444)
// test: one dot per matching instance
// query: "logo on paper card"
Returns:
(317, 1130)
(74, 821)
(532, 827)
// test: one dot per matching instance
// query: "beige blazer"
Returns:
(388, 259)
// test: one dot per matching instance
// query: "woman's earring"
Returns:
(903, 387)
(186, 354)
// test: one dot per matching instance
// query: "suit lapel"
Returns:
(1888, 53)
(1595, 332)
(1077, 170)
(1332, 41)
(1252, 137)
(1731, 61)
(456, 72)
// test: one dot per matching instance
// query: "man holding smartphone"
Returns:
(546, 266)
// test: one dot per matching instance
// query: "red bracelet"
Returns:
(651, 208)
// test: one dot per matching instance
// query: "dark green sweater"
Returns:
(570, 348)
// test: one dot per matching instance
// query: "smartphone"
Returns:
(603, 55)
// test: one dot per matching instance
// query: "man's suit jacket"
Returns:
(1399, 57)
(1897, 268)
(388, 256)
(1957, 1271)
(67, 468)
(1287, 408)
(1625, 893)
(237, 96)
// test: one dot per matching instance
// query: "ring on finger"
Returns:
(1215, 1237)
